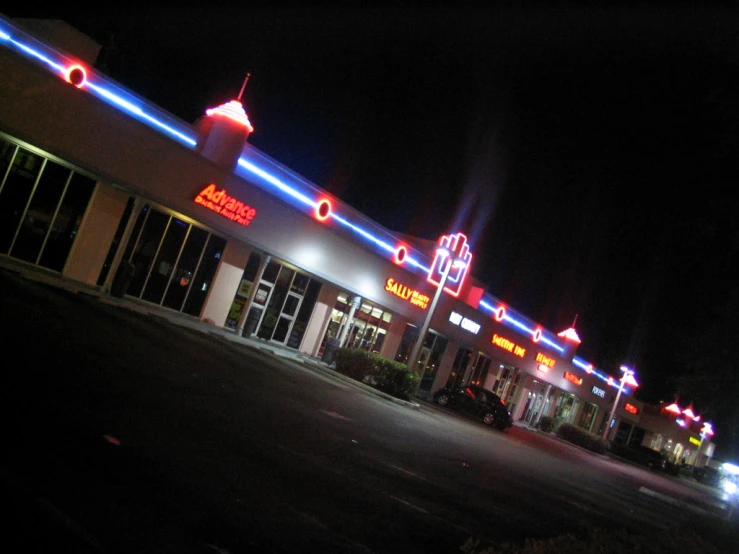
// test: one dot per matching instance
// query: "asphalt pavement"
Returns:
(35, 522)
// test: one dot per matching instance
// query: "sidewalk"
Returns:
(39, 275)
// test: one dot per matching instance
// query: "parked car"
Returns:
(708, 476)
(477, 402)
(642, 455)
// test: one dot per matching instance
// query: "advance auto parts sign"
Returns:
(229, 207)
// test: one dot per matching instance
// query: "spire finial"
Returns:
(246, 80)
(574, 321)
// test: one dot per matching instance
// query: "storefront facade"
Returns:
(192, 218)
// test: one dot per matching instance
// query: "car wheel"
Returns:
(442, 399)
(488, 418)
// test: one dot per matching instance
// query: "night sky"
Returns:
(589, 154)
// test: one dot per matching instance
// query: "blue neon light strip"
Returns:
(100, 91)
(272, 180)
(305, 200)
(582, 364)
(134, 110)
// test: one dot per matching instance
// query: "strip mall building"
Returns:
(99, 185)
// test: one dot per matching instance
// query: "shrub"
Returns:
(356, 364)
(546, 424)
(397, 381)
(368, 367)
(582, 438)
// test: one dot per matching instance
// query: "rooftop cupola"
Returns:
(571, 341)
(225, 129)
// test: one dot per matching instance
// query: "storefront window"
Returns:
(587, 416)
(459, 368)
(184, 271)
(406, 343)
(433, 349)
(204, 275)
(480, 371)
(174, 261)
(366, 330)
(42, 204)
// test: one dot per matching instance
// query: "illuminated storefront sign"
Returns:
(599, 392)
(695, 441)
(631, 409)
(451, 244)
(464, 323)
(546, 360)
(407, 293)
(227, 206)
(509, 346)
(572, 378)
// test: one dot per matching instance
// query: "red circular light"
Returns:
(537, 335)
(323, 210)
(400, 254)
(77, 75)
(500, 314)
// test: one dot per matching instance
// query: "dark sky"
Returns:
(589, 153)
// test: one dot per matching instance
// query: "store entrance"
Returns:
(368, 325)
(282, 304)
(534, 402)
(566, 404)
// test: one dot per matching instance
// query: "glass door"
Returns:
(287, 317)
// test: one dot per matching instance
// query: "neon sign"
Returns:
(227, 206)
(599, 392)
(695, 441)
(572, 378)
(448, 245)
(464, 323)
(406, 293)
(546, 360)
(631, 409)
(234, 111)
(508, 346)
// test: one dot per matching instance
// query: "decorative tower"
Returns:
(225, 130)
(571, 341)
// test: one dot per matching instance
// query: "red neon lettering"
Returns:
(546, 360)
(227, 206)
(572, 378)
(508, 346)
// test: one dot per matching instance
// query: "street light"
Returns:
(451, 260)
(628, 377)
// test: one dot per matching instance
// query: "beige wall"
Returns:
(393, 337)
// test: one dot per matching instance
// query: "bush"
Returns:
(546, 424)
(368, 367)
(356, 364)
(397, 381)
(582, 438)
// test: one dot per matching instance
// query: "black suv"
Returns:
(477, 402)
